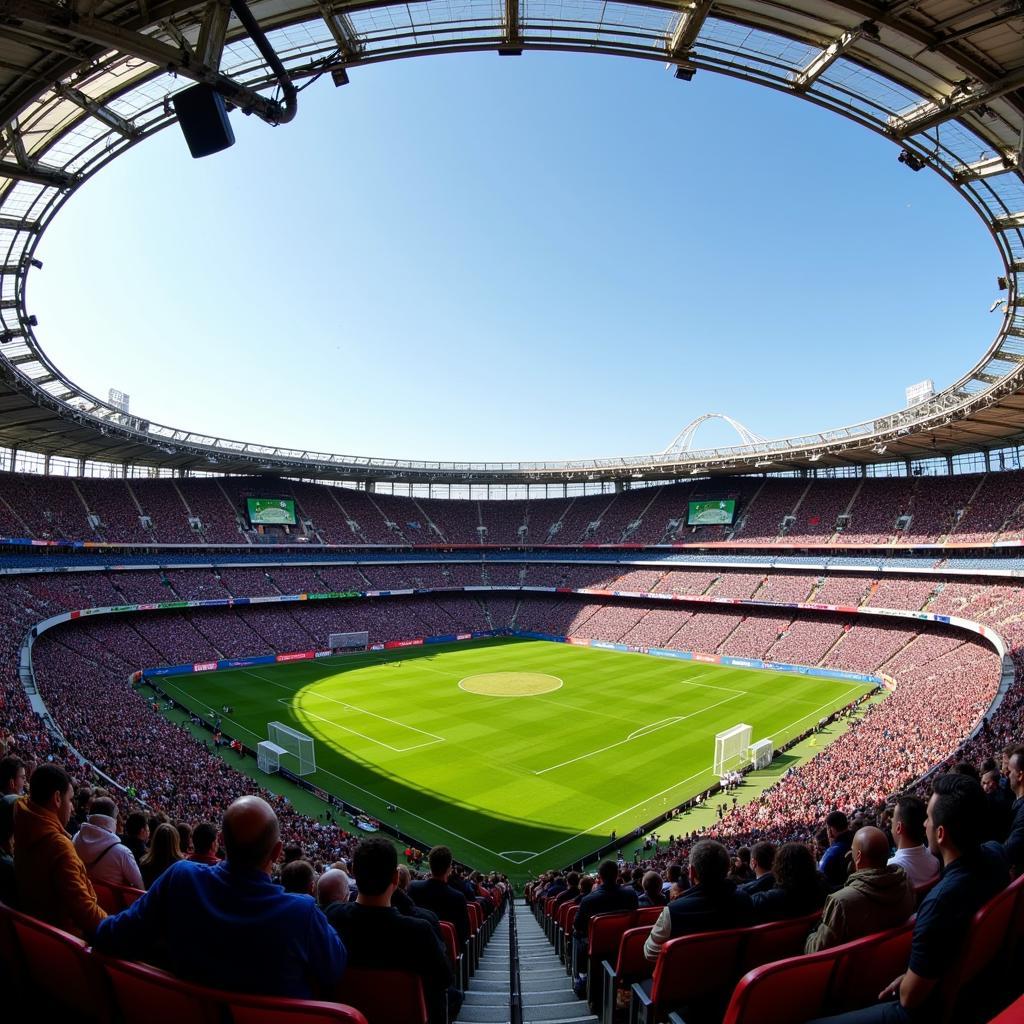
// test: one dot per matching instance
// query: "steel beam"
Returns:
(36, 174)
(212, 33)
(802, 80)
(985, 168)
(344, 32)
(13, 224)
(691, 21)
(62, 22)
(102, 114)
(962, 100)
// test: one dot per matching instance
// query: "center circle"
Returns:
(510, 684)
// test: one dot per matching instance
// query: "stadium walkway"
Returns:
(545, 989)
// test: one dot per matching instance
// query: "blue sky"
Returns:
(551, 256)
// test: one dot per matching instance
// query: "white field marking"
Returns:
(654, 727)
(811, 714)
(504, 696)
(508, 855)
(683, 782)
(352, 707)
(404, 810)
(356, 732)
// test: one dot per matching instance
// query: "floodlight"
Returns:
(911, 159)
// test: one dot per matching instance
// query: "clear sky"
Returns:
(552, 256)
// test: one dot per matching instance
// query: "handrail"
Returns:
(515, 996)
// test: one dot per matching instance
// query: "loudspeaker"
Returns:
(203, 119)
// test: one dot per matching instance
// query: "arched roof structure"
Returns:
(83, 80)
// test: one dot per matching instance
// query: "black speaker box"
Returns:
(203, 119)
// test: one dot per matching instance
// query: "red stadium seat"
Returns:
(451, 945)
(867, 966)
(60, 969)
(115, 898)
(268, 1010)
(1013, 1014)
(384, 997)
(691, 970)
(570, 920)
(985, 941)
(785, 992)
(630, 966)
(148, 995)
(776, 940)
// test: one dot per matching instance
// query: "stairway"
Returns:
(545, 988)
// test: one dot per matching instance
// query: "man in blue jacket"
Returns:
(833, 863)
(228, 925)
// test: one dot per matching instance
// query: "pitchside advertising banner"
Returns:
(271, 511)
(717, 512)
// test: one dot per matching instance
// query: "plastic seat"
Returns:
(785, 992)
(691, 970)
(451, 945)
(776, 940)
(630, 967)
(114, 898)
(147, 995)
(269, 1010)
(384, 997)
(604, 933)
(60, 969)
(864, 967)
(1013, 1014)
(983, 946)
(12, 964)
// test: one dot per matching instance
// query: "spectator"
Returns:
(164, 851)
(999, 805)
(833, 864)
(228, 925)
(184, 838)
(437, 895)
(52, 882)
(136, 834)
(376, 935)
(12, 776)
(919, 863)
(1014, 844)
(299, 877)
(204, 842)
(605, 898)
(105, 857)
(876, 896)
(972, 875)
(799, 887)
(402, 902)
(652, 895)
(761, 859)
(710, 904)
(571, 894)
(742, 872)
(8, 885)
(332, 887)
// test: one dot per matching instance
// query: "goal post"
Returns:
(348, 643)
(761, 754)
(293, 742)
(268, 757)
(731, 749)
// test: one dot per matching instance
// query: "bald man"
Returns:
(877, 896)
(228, 925)
(332, 887)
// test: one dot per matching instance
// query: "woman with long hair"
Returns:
(164, 850)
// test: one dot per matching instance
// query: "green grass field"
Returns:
(515, 783)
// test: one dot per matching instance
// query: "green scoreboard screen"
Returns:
(271, 511)
(711, 513)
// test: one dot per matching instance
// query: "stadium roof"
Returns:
(83, 80)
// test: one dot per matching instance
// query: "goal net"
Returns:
(731, 749)
(344, 643)
(761, 753)
(295, 743)
(268, 756)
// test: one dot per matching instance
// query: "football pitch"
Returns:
(518, 754)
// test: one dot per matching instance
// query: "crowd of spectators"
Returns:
(964, 508)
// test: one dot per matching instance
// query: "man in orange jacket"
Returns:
(52, 882)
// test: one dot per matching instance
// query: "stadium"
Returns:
(566, 674)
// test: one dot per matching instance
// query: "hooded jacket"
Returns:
(106, 858)
(871, 901)
(51, 878)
